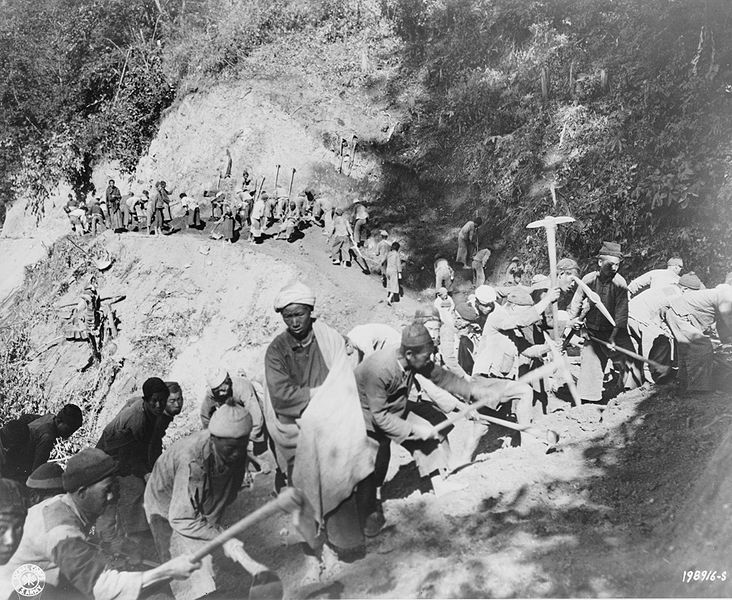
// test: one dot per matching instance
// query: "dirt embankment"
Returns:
(597, 518)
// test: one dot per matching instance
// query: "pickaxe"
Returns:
(289, 192)
(265, 583)
(550, 224)
(277, 176)
(662, 369)
(595, 299)
(530, 377)
(548, 436)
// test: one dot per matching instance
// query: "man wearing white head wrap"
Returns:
(313, 415)
(222, 388)
(294, 293)
(189, 489)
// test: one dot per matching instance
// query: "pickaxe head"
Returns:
(549, 222)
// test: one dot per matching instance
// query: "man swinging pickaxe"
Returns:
(550, 224)
(593, 297)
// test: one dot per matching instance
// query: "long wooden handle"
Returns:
(530, 377)
(259, 191)
(633, 355)
(273, 506)
(595, 299)
(529, 429)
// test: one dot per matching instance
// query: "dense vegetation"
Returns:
(623, 105)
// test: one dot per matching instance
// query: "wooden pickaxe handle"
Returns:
(287, 496)
(595, 299)
(530, 377)
(630, 354)
(545, 435)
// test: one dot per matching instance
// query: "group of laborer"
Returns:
(121, 214)
(663, 316)
(330, 407)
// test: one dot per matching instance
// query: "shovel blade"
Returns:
(266, 586)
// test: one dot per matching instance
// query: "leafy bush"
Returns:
(623, 105)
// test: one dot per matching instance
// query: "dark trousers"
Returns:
(366, 491)
(196, 217)
(465, 356)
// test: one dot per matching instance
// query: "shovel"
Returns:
(99, 263)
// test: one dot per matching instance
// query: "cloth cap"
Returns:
(427, 313)
(384, 233)
(691, 281)
(485, 294)
(263, 196)
(216, 376)
(415, 335)
(467, 312)
(46, 477)
(339, 211)
(515, 259)
(675, 261)
(219, 194)
(520, 296)
(11, 498)
(231, 421)
(153, 385)
(303, 194)
(14, 434)
(86, 468)
(294, 293)
(567, 264)
(540, 282)
(442, 290)
(610, 249)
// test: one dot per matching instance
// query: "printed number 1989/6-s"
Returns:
(689, 576)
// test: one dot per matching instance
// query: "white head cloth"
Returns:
(294, 293)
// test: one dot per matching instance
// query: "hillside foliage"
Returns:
(623, 106)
